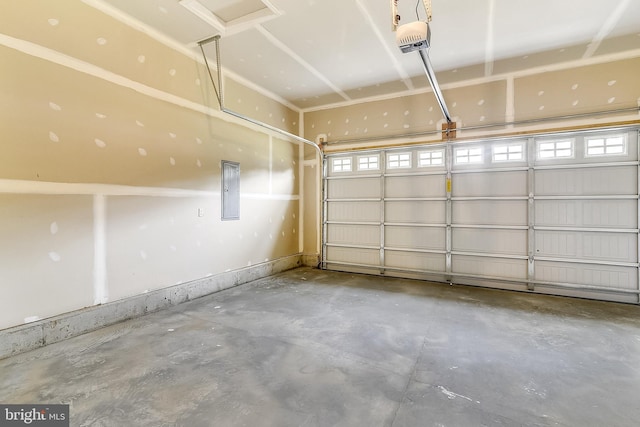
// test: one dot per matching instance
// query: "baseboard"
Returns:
(310, 260)
(27, 337)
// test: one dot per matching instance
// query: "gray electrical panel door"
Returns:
(230, 190)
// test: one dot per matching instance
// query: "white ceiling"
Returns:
(318, 52)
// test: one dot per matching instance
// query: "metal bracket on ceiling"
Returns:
(201, 43)
(220, 96)
(395, 17)
(449, 131)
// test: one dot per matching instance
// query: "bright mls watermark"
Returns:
(34, 415)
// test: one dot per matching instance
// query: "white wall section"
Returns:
(110, 169)
(100, 284)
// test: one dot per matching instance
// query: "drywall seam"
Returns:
(18, 339)
(59, 58)
(15, 186)
(383, 39)
(270, 164)
(258, 196)
(12, 186)
(606, 28)
(137, 25)
(301, 124)
(489, 56)
(56, 57)
(297, 58)
(510, 111)
(100, 290)
(602, 59)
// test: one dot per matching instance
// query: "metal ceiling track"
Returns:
(219, 90)
(431, 75)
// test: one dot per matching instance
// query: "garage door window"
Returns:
(430, 158)
(368, 163)
(611, 145)
(468, 155)
(399, 160)
(508, 152)
(341, 164)
(555, 149)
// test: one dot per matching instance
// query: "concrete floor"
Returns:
(314, 348)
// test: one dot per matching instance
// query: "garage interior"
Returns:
(254, 212)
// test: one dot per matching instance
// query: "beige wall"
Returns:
(516, 92)
(598, 87)
(601, 84)
(110, 170)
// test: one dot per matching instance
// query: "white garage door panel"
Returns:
(354, 211)
(490, 267)
(431, 238)
(415, 212)
(490, 212)
(415, 261)
(354, 188)
(506, 242)
(616, 297)
(587, 213)
(356, 256)
(600, 246)
(490, 183)
(362, 235)
(603, 276)
(589, 181)
(553, 213)
(415, 186)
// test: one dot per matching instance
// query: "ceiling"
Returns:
(314, 53)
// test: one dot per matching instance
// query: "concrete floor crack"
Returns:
(409, 381)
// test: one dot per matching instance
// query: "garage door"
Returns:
(553, 214)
